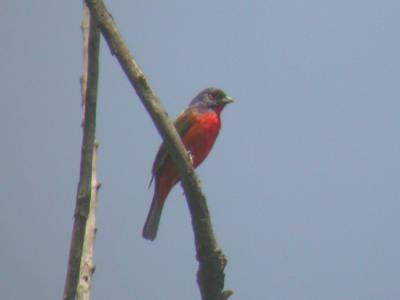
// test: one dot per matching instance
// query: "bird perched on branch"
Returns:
(198, 126)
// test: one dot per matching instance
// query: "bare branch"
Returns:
(212, 262)
(87, 179)
(87, 263)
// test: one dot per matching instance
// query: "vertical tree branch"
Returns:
(212, 262)
(82, 236)
(89, 30)
(87, 263)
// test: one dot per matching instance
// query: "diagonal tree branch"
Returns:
(83, 232)
(212, 262)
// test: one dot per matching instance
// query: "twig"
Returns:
(212, 262)
(85, 200)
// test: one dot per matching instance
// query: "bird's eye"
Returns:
(211, 96)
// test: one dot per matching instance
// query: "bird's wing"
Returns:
(182, 125)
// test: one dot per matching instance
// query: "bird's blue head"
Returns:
(211, 98)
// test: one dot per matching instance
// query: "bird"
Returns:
(198, 126)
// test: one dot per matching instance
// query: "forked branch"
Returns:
(212, 262)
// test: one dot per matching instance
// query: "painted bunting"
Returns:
(198, 127)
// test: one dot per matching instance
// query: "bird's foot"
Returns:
(190, 157)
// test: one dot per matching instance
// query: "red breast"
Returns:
(201, 136)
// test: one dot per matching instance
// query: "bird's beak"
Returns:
(227, 100)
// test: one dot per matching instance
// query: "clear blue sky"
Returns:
(303, 183)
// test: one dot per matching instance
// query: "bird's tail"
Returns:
(153, 218)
